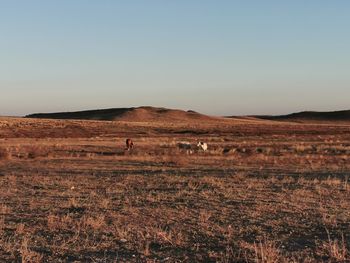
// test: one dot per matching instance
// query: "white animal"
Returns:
(202, 146)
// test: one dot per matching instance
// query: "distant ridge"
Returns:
(303, 116)
(136, 114)
(154, 114)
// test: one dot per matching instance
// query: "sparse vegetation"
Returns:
(4, 154)
(262, 192)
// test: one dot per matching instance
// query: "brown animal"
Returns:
(129, 144)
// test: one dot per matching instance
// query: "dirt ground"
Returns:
(263, 192)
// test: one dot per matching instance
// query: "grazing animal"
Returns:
(129, 144)
(202, 146)
(184, 145)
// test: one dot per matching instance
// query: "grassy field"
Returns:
(264, 192)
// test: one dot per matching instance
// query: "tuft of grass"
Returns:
(4, 154)
(267, 251)
(335, 249)
(28, 255)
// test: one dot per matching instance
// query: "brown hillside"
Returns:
(140, 114)
(161, 114)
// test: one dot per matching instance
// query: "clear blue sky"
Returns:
(217, 57)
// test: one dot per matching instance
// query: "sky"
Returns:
(218, 57)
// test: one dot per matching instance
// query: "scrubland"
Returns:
(263, 192)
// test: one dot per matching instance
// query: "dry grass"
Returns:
(262, 193)
(335, 250)
(4, 154)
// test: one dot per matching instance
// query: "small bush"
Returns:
(4, 154)
(35, 152)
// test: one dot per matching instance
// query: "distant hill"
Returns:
(340, 116)
(139, 114)
(154, 114)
